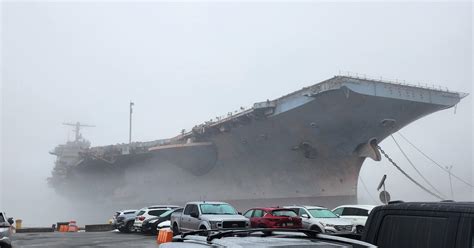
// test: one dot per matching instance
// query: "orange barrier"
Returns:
(63, 228)
(165, 235)
(72, 226)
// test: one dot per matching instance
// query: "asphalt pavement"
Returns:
(83, 239)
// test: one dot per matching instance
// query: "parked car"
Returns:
(247, 238)
(421, 225)
(322, 220)
(123, 220)
(206, 216)
(150, 212)
(152, 225)
(5, 230)
(357, 214)
(273, 218)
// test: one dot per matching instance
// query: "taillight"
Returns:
(141, 218)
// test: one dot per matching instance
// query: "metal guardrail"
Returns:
(398, 82)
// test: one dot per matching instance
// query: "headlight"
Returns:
(216, 224)
(326, 224)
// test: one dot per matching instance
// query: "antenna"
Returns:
(77, 128)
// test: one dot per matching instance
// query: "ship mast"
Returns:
(77, 128)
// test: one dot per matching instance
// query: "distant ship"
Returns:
(306, 147)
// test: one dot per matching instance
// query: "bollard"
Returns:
(18, 224)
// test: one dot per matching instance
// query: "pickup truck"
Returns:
(206, 216)
(421, 225)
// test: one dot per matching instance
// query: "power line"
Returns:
(408, 176)
(417, 171)
(367, 190)
(436, 163)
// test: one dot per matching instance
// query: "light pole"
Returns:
(449, 168)
(130, 130)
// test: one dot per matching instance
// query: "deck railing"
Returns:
(396, 81)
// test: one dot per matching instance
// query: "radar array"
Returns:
(77, 129)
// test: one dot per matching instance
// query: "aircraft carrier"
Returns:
(306, 147)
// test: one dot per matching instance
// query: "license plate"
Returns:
(289, 224)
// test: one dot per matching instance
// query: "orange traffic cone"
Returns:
(165, 235)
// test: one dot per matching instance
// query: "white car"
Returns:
(322, 220)
(5, 231)
(123, 220)
(357, 214)
(150, 212)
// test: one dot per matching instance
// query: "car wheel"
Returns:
(175, 229)
(316, 228)
(203, 233)
(266, 233)
(359, 229)
(129, 227)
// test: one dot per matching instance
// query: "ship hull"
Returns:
(310, 152)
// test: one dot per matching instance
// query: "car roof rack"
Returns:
(221, 233)
(395, 202)
(310, 233)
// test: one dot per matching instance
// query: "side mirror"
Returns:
(338, 215)
(305, 216)
(10, 220)
(240, 213)
(194, 214)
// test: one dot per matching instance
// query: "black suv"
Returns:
(421, 224)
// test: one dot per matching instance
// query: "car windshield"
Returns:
(167, 213)
(217, 209)
(284, 212)
(157, 212)
(322, 213)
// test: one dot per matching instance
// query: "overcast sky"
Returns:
(183, 64)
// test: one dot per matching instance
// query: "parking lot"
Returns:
(83, 239)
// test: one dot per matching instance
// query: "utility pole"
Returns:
(449, 168)
(130, 131)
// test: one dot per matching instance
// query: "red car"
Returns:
(273, 218)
